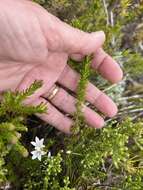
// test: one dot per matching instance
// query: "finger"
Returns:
(63, 37)
(106, 66)
(69, 106)
(53, 116)
(70, 78)
(79, 42)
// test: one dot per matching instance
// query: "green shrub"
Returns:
(91, 159)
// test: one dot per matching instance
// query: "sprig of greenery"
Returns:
(13, 115)
(81, 89)
(13, 102)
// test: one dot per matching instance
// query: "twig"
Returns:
(130, 97)
(128, 108)
(137, 116)
(112, 24)
(106, 12)
(114, 85)
(131, 111)
(112, 18)
(110, 87)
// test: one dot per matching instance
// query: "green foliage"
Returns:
(91, 159)
(53, 168)
(133, 63)
(44, 175)
(78, 116)
(13, 115)
(14, 149)
(111, 157)
(50, 171)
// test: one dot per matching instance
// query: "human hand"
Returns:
(35, 45)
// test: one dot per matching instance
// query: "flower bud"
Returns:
(18, 135)
(13, 139)
(11, 127)
(25, 153)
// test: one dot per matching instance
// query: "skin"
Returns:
(35, 45)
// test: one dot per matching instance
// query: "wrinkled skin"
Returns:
(36, 45)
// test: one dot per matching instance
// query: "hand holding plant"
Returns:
(35, 45)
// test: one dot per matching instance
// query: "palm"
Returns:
(13, 73)
(25, 42)
(23, 36)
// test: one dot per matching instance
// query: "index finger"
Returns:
(107, 66)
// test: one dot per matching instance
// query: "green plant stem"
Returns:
(81, 92)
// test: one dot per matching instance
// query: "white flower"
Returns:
(38, 143)
(38, 152)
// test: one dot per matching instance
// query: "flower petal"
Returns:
(43, 152)
(33, 143)
(41, 142)
(37, 148)
(34, 152)
(35, 155)
(49, 154)
(37, 140)
(39, 157)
